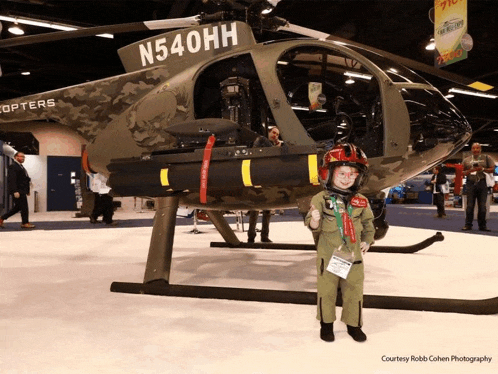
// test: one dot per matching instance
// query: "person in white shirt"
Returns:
(103, 205)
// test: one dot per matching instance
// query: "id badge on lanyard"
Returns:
(341, 261)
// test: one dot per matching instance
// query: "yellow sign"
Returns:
(450, 26)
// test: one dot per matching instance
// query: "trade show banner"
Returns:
(450, 32)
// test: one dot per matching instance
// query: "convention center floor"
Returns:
(58, 315)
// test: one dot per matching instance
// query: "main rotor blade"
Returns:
(452, 77)
(173, 23)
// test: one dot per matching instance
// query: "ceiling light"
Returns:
(266, 7)
(16, 30)
(271, 4)
(431, 46)
(449, 96)
(50, 25)
(472, 93)
(26, 73)
(357, 75)
(296, 107)
(349, 81)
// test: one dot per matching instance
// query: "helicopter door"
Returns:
(336, 98)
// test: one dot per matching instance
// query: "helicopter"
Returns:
(180, 125)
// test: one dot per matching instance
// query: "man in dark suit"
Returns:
(438, 180)
(18, 182)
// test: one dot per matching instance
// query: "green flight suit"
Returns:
(329, 239)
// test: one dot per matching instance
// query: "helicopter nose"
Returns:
(435, 121)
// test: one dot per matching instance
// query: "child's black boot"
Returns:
(327, 331)
(356, 333)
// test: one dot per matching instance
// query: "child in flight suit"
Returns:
(342, 221)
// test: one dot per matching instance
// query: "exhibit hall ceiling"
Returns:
(400, 27)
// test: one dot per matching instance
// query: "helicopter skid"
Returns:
(158, 268)
(163, 288)
(310, 247)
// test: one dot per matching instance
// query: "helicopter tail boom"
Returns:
(87, 107)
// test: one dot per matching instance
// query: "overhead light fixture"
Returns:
(271, 4)
(472, 93)
(49, 25)
(307, 109)
(357, 75)
(431, 46)
(16, 30)
(26, 73)
(265, 7)
(349, 81)
(449, 96)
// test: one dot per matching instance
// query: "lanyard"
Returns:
(344, 221)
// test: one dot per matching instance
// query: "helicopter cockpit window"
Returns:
(395, 71)
(230, 89)
(433, 119)
(334, 96)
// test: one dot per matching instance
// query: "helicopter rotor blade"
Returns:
(164, 24)
(452, 77)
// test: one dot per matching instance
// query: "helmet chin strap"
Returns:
(341, 189)
(345, 194)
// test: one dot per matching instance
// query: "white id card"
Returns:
(339, 266)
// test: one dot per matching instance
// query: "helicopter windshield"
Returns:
(395, 71)
(433, 119)
(334, 96)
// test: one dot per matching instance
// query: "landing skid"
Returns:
(162, 288)
(158, 268)
(310, 247)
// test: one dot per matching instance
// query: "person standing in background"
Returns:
(103, 205)
(438, 181)
(272, 140)
(18, 182)
(474, 168)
